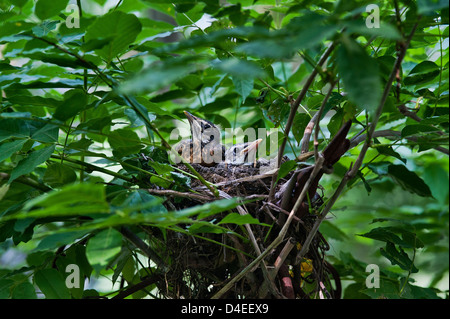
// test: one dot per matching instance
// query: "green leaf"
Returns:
(386, 30)
(409, 130)
(103, 247)
(124, 142)
(243, 87)
(285, 168)
(392, 235)
(398, 257)
(75, 101)
(48, 133)
(18, 3)
(207, 209)
(28, 164)
(24, 290)
(122, 27)
(52, 284)
(75, 199)
(10, 127)
(7, 149)
(239, 68)
(388, 150)
(53, 241)
(58, 174)
(388, 290)
(430, 6)
(301, 120)
(238, 219)
(422, 73)
(44, 28)
(48, 8)
(280, 45)
(384, 234)
(5, 287)
(360, 75)
(332, 231)
(158, 75)
(436, 178)
(408, 180)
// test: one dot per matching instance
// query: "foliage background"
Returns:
(78, 104)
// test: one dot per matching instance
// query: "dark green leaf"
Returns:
(122, 27)
(398, 257)
(52, 284)
(388, 150)
(75, 101)
(28, 164)
(360, 75)
(24, 290)
(48, 133)
(285, 168)
(301, 120)
(124, 142)
(409, 130)
(409, 180)
(58, 174)
(48, 8)
(5, 287)
(422, 73)
(7, 149)
(430, 6)
(10, 127)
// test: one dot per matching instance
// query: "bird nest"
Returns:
(199, 265)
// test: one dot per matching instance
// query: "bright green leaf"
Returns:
(235, 218)
(103, 247)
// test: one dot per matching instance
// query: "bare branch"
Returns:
(354, 169)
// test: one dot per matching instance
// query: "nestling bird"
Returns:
(242, 153)
(204, 148)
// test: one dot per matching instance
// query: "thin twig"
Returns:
(355, 167)
(294, 107)
(251, 235)
(278, 239)
(169, 192)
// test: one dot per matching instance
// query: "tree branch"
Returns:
(294, 107)
(353, 170)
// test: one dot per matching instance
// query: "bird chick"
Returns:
(242, 153)
(202, 130)
(208, 155)
(204, 148)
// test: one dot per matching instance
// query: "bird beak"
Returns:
(253, 146)
(191, 118)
